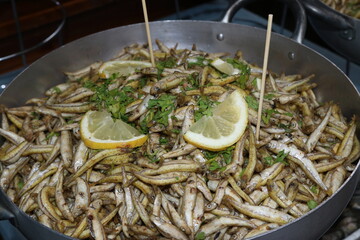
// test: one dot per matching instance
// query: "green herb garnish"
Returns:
(242, 172)
(152, 157)
(145, 121)
(244, 72)
(314, 189)
(167, 63)
(162, 108)
(254, 82)
(269, 96)
(252, 102)
(36, 115)
(114, 101)
(285, 127)
(51, 134)
(312, 204)
(300, 122)
(142, 82)
(224, 156)
(288, 114)
(175, 130)
(198, 61)
(193, 82)
(56, 90)
(205, 105)
(267, 114)
(163, 140)
(200, 236)
(215, 165)
(280, 157)
(20, 184)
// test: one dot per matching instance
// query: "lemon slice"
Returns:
(99, 131)
(224, 67)
(123, 67)
(223, 128)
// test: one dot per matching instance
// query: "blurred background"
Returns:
(26, 23)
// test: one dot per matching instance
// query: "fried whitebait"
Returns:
(168, 188)
(347, 7)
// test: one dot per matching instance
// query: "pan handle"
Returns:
(331, 17)
(8, 230)
(7, 219)
(5, 214)
(295, 6)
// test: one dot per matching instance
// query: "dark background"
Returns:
(39, 18)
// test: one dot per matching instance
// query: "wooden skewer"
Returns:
(263, 77)
(148, 33)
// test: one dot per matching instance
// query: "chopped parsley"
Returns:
(192, 82)
(215, 165)
(252, 102)
(56, 90)
(269, 96)
(162, 107)
(114, 101)
(288, 114)
(254, 82)
(219, 160)
(301, 123)
(144, 123)
(142, 82)
(36, 115)
(175, 130)
(267, 114)
(167, 63)
(312, 204)
(152, 157)
(20, 184)
(200, 236)
(205, 105)
(226, 154)
(51, 134)
(244, 72)
(197, 61)
(242, 172)
(285, 127)
(164, 102)
(314, 189)
(163, 140)
(280, 157)
(90, 84)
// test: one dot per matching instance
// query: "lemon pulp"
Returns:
(122, 67)
(225, 127)
(99, 131)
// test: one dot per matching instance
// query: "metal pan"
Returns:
(286, 55)
(339, 31)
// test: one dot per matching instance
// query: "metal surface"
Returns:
(294, 5)
(285, 55)
(339, 31)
